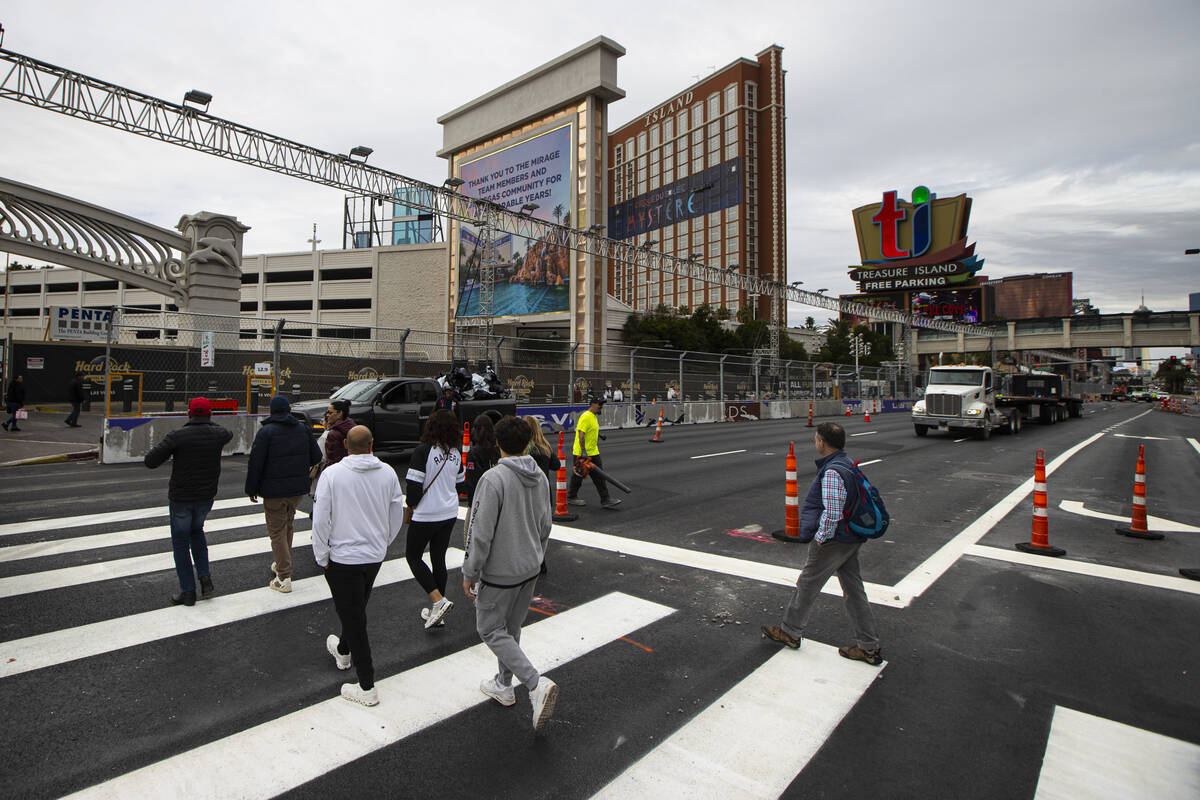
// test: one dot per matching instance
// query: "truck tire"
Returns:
(920, 430)
(1016, 422)
(1051, 415)
(984, 433)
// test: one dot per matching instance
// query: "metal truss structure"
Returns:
(36, 83)
(46, 225)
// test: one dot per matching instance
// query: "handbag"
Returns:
(408, 511)
(21, 414)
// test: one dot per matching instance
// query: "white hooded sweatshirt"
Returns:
(358, 511)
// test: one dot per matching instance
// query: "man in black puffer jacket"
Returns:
(280, 459)
(196, 468)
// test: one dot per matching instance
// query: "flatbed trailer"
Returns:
(1043, 397)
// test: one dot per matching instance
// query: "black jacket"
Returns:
(549, 465)
(75, 393)
(196, 448)
(280, 458)
(478, 462)
(16, 393)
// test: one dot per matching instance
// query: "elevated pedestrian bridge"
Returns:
(1156, 329)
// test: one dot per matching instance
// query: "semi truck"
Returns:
(973, 400)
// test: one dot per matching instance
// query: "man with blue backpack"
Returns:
(842, 510)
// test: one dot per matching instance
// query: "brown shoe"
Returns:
(856, 653)
(780, 635)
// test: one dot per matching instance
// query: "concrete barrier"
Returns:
(128, 439)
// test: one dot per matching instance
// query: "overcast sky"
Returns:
(1074, 126)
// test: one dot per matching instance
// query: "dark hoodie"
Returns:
(335, 442)
(510, 524)
(280, 458)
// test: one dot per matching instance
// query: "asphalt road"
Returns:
(1001, 676)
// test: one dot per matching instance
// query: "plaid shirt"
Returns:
(833, 496)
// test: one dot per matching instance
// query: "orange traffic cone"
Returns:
(791, 499)
(867, 412)
(1137, 524)
(1039, 543)
(847, 410)
(810, 405)
(658, 429)
(561, 512)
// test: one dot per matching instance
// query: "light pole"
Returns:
(860, 347)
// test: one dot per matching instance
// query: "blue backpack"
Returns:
(869, 516)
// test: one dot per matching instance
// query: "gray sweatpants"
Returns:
(823, 561)
(498, 617)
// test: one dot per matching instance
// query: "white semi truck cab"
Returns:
(962, 400)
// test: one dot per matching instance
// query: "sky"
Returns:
(1074, 126)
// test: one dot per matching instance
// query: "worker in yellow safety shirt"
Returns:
(587, 445)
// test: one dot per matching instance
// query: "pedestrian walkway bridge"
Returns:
(1161, 329)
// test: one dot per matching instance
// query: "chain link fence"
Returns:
(155, 361)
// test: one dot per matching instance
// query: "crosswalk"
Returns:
(789, 702)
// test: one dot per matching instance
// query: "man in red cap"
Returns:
(196, 468)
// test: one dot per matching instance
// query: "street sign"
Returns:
(79, 324)
(208, 351)
(262, 368)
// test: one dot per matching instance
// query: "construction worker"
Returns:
(587, 444)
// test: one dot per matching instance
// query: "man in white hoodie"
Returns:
(358, 511)
(506, 542)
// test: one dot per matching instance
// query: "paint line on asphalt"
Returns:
(1152, 523)
(1149, 579)
(1195, 445)
(135, 565)
(714, 455)
(864, 433)
(83, 641)
(55, 523)
(956, 441)
(869, 463)
(932, 568)
(1090, 756)
(1134, 436)
(792, 703)
(284, 753)
(711, 562)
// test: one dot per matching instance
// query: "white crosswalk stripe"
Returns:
(33, 526)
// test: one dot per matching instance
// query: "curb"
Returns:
(84, 455)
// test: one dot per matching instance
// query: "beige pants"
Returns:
(281, 514)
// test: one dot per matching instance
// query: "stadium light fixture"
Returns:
(453, 183)
(198, 98)
(361, 151)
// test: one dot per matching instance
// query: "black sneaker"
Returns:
(184, 599)
(780, 635)
(206, 586)
(856, 653)
(611, 502)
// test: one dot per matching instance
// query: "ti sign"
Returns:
(79, 324)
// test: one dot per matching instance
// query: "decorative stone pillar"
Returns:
(213, 279)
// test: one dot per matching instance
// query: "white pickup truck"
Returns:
(963, 400)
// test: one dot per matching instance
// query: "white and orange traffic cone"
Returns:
(1039, 542)
(847, 410)
(791, 499)
(867, 412)
(1137, 528)
(658, 429)
(561, 512)
(810, 405)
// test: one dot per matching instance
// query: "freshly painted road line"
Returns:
(752, 741)
(1089, 756)
(864, 433)
(714, 455)
(84, 641)
(1195, 445)
(711, 562)
(1153, 523)
(869, 463)
(921, 578)
(1150, 579)
(33, 526)
(287, 752)
(967, 439)
(1132, 436)
(77, 544)
(135, 565)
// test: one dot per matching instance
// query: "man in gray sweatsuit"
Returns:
(506, 542)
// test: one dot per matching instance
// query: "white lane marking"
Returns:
(313, 741)
(135, 565)
(932, 568)
(1133, 436)
(1195, 445)
(865, 433)
(1150, 579)
(83, 641)
(1089, 756)
(964, 439)
(1152, 522)
(72, 444)
(32, 526)
(869, 463)
(725, 453)
(793, 703)
(725, 565)
(76, 544)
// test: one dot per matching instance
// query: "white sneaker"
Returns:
(425, 616)
(356, 694)
(274, 570)
(543, 697)
(281, 584)
(439, 610)
(504, 695)
(331, 644)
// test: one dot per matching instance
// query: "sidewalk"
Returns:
(46, 434)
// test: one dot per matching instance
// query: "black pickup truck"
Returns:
(395, 409)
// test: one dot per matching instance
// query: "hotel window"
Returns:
(683, 165)
(618, 155)
(654, 137)
(714, 105)
(731, 228)
(731, 244)
(629, 151)
(714, 149)
(714, 252)
(682, 118)
(654, 167)
(714, 128)
(654, 181)
(698, 114)
(641, 140)
(731, 97)
(668, 128)
(714, 295)
(698, 239)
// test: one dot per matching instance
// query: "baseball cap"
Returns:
(200, 407)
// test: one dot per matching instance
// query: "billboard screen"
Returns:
(714, 189)
(532, 276)
(957, 305)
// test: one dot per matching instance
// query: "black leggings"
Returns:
(436, 536)
(350, 585)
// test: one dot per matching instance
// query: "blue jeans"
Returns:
(73, 417)
(187, 540)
